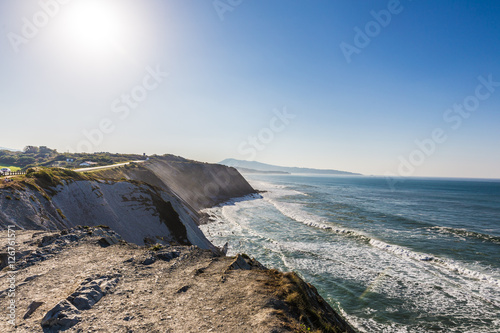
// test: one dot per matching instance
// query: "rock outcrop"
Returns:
(68, 281)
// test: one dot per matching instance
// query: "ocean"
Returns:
(423, 257)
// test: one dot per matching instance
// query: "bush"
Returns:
(156, 247)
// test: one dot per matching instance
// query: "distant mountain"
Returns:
(9, 149)
(239, 164)
(245, 170)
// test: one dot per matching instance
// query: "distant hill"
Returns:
(245, 170)
(242, 165)
(9, 149)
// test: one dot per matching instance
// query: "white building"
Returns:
(87, 163)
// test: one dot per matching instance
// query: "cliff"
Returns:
(156, 201)
(89, 280)
(199, 185)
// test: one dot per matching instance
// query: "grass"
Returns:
(12, 168)
(156, 247)
(61, 214)
(52, 177)
(293, 290)
(45, 180)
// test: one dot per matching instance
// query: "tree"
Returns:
(31, 150)
(46, 150)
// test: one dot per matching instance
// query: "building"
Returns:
(88, 163)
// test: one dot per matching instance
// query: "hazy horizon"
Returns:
(400, 88)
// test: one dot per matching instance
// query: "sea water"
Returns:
(421, 257)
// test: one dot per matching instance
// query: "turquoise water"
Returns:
(422, 258)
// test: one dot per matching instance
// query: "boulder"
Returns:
(62, 316)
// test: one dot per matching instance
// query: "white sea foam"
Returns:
(422, 284)
(461, 232)
(400, 250)
(450, 265)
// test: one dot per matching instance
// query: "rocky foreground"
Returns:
(87, 279)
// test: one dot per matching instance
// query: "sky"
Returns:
(393, 88)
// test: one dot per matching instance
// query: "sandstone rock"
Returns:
(167, 255)
(62, 316)
(67, 312)
(149, 260)
(91, 291)
(32, 308)
(46, 240)
(245, 263)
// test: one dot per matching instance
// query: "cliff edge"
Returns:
(90, 280)
(199, 185)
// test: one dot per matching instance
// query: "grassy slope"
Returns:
(12, 168)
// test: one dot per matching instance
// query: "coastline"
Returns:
(370, 253)
(140, 202)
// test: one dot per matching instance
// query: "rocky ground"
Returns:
(87, 279)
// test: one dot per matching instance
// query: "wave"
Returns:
(295, 212)
(400, 250)
(449, 265)
(467, 233)
(275, 189)
(233, 201)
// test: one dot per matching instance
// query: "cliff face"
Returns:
(136, 211)
(156, 201)
(198, 185)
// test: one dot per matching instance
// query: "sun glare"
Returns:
(101, 39)
(95, 25)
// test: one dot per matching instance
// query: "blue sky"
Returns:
(263, 80)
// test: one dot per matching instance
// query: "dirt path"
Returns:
(106, 166)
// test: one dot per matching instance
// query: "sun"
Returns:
(91, 39)
(95, 25)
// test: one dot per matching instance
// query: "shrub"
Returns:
(156, 247)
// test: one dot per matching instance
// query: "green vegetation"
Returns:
(45, 180)
(52, 177)
(292, 289)
(33, 156)
(11, 167)
(102, 226)
(156, 247)
(61, 214)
